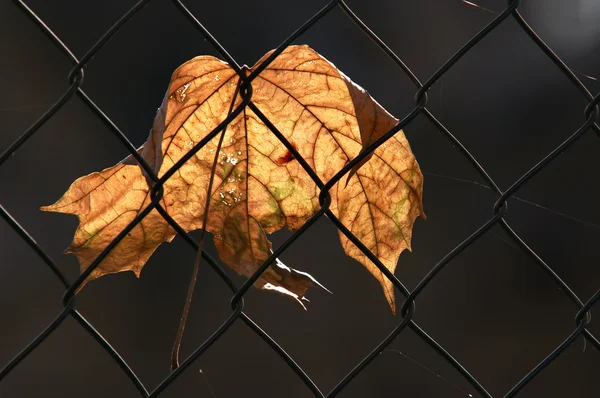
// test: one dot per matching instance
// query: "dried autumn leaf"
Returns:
(258, 186)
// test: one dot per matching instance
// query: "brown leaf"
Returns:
(105, 203)
(373, 120)
(379, 205)
(259, 187)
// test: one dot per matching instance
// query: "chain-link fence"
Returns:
(407, 313)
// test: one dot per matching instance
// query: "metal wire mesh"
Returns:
(407, 312)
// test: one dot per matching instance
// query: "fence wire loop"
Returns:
(408, 308)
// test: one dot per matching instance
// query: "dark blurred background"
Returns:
(493, 308)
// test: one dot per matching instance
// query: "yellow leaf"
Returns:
(259, 187)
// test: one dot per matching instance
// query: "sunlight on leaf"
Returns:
(259, 187)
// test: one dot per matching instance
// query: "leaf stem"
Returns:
(194, 277)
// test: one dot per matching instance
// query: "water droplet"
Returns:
(239, 152)
(181, 92)
(231, 159)
(191, 144)
(217, 78)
